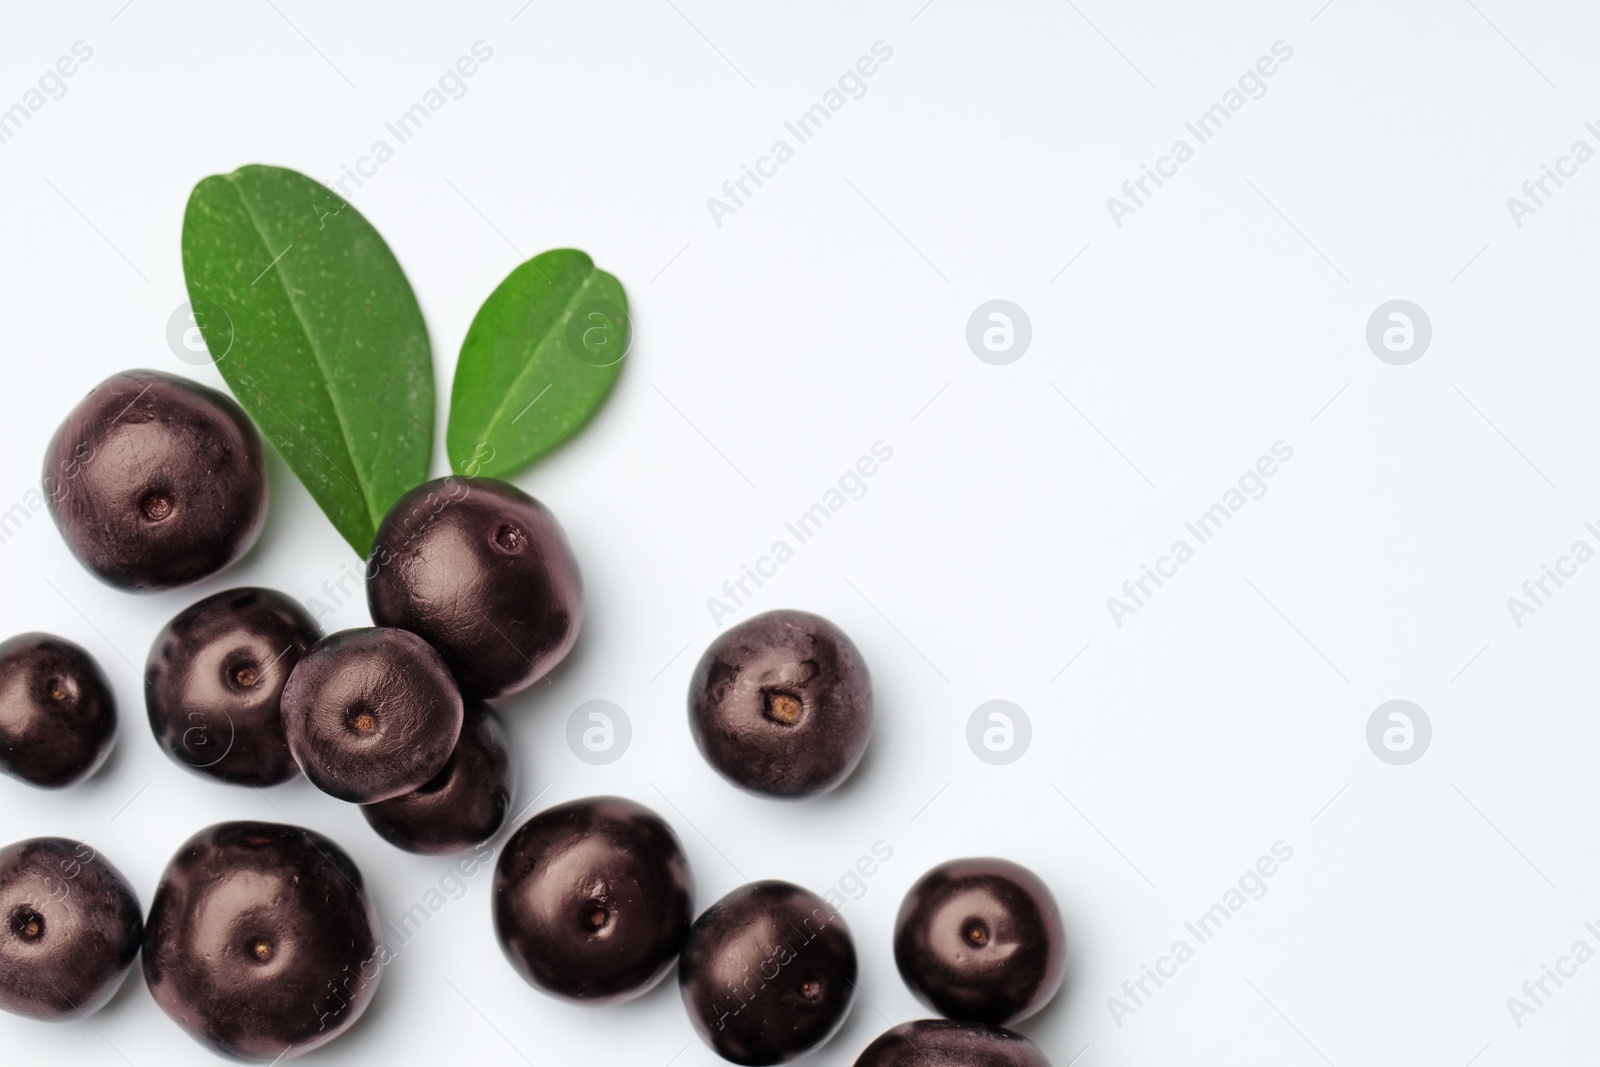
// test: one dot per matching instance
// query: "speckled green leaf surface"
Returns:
(540, 356)
(315, 329)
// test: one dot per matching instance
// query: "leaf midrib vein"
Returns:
(365, 487)
(527, 367)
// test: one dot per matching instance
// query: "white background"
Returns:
(829, 313)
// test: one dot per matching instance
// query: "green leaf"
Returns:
(538, 359)
(315, 329)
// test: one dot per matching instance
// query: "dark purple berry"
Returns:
(262, 942)
(156, 481)
(214, 681)
(58, 719)
(980, 940)
(781, 705)
(943, 1043)
(592, 900)
(463, 805)
(768, 974)
(371, 714)
(482, 571)
(69, 929)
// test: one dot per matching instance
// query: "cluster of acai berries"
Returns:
(262, 941)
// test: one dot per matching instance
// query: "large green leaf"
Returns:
(315, 329)
(538, 359)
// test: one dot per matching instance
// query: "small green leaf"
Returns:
(538, 359)
(320, 337)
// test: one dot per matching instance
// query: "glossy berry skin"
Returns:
(463, 805)
(58, 718)
(482, 571)
(214, 681)
(371, 714)
(69, 929)
(943, 1043)
(768, 974)
(592, 900)
(262, 941)
(981, 940)
(156, 481)
(781, 705)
